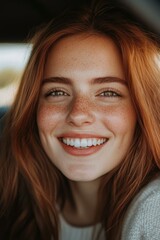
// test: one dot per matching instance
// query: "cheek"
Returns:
(49, 116)
(121, 119)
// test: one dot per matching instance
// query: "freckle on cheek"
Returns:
(49, 114)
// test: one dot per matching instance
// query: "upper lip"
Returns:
(80, 135)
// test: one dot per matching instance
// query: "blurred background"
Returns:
(20, 18)
(13, 58)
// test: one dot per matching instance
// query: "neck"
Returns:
(83, 211)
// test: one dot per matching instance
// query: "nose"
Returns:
(81, 112)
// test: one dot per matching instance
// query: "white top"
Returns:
(70, 232)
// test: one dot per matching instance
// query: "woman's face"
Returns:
(85, 117)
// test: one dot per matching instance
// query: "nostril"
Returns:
(80, 114)
(80, 118)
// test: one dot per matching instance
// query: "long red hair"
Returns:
(30, 184)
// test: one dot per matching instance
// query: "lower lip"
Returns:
(81, 152)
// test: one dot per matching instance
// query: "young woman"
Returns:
(81, 143)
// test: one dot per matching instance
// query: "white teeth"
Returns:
(83, 142)
(101, 141)
(89, 142)
(65, 140)
(94, 142)
(68, 141)
(77, 143)
(72, 142)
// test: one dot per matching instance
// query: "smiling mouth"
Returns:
(83, 143)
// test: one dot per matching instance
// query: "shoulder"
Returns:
(142, 219)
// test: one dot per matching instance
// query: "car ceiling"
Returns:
(18, 18)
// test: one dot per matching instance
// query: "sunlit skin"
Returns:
(92, 101)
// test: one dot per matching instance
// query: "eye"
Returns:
(56, 93)
(109, 93)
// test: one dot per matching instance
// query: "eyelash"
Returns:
(109, 93)
(54, 93)
(105, 93)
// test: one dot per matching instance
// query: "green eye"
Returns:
(56, 93)
(109, 93)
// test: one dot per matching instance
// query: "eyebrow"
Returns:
(99, 80)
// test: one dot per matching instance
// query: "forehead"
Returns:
(83, 52)
(82, 45)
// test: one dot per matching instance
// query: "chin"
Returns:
(81, 177)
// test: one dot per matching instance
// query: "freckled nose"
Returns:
(81, 112)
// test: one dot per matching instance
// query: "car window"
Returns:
(13, 58)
